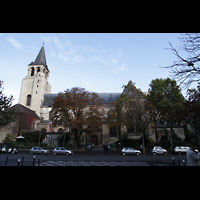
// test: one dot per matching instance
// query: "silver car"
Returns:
(62, 150)
(130, 150)
(159, 150)
(39, 150)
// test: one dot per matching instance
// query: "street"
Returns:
(81, 160)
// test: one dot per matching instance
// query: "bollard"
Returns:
(173, 161)
(18, 162)
(6, 161)
(22, 160)
(183, 162)
(33, 160)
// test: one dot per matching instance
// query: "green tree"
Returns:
(115, 117)
(9, 140)
(167, 98)
(192, 111)
(6, 116)
(136, 110)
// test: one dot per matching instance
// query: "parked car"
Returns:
(181, 149)
(62, 150)
(158, 150)
(39, 150)
(130, 150)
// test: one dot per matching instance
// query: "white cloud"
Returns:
(115, 61)
(14, 42)
(114, 71)
(53, 54)
(73, 53)
(58, 43)
(123, 68)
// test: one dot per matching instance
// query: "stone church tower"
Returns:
(35, 84)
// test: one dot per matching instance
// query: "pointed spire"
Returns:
(41, 58)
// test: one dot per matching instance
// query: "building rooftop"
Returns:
(107, 98)
(18, 108)
(40, 59)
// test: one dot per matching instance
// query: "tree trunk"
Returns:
(119, 136)
(156, 132)
(171, 130)
(196, 130)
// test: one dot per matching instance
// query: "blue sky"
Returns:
(102, 62)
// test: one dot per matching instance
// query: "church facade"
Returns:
(36, 95)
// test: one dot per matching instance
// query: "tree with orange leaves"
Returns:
(79, 110)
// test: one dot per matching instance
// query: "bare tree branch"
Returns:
(186, 70)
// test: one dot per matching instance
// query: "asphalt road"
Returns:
(81, 160)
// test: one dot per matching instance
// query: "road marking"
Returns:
(93, 163)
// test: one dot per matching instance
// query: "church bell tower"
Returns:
(35, 84)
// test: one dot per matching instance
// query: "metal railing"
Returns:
(178, 162)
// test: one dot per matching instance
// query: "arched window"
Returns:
(32, 71)
(28, 102)
(44, 130)
(60, 130)
(38, 69)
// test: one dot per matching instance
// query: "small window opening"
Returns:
(28, 102)
(32, 71)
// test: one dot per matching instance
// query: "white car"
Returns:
(62, 150)
(181, 149)
(130, 150)
(158, 150)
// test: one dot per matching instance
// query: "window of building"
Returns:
(60, 130)
(28, 101)
(44, 130)
(38, 69)
(32, 71)
(113, 132)
(131, 129)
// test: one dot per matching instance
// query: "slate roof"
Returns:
(18, 108)
(42, 122)
(107, 98)
(40, 59)
(48, 100)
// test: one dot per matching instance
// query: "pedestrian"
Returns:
(141, 148)
(150, 149)
(106, 147)
(192, 158)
